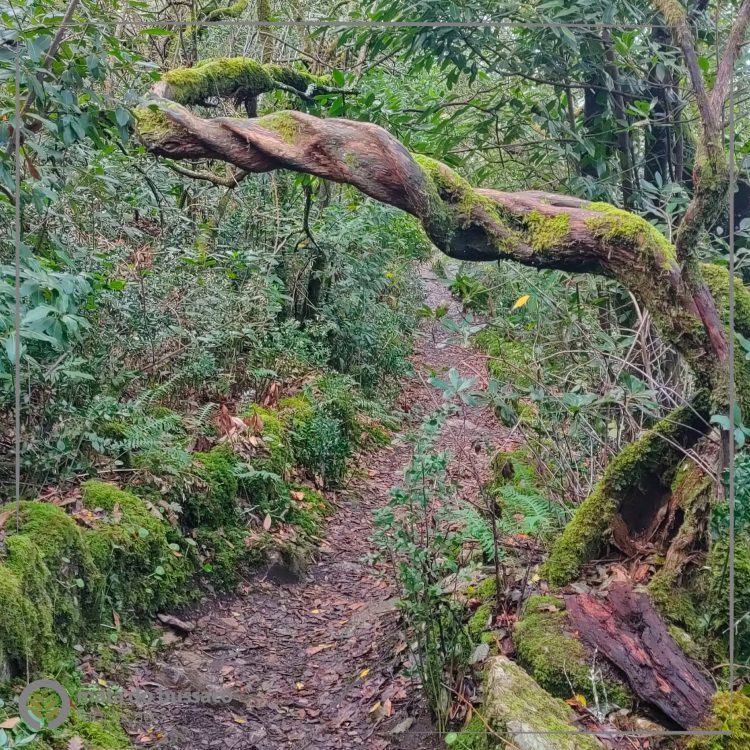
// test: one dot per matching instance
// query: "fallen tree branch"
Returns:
(627, 629)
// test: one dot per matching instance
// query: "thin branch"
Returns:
(230, 181)
(726, 66)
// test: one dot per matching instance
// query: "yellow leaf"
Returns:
(364, 674)
(299, 685)
(520, 302)
(375, 708)
(315, 611)
(581, 699)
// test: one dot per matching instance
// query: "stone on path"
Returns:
(515, 703)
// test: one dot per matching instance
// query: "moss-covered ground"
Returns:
(70, 578)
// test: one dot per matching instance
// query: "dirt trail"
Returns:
(294, 653)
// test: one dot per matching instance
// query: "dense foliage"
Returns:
(221, 345)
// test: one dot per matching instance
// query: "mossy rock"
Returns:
(560, 663)
(515, 706)
(309, 511)
(212, 503)
(145, 562)
(47, 583)
(226, 555)
(479, 622)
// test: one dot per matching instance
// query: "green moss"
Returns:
(717, 589)
(152, 123)
(619, 226)
(25, 623)
(474, 736)
(238, 77)
(693, 492)
(556, 660)
(478, 622)
(296, 78)
(546, 232)
(102, 733)
(688, 644)
(282, 123)
(729, 714)
(514, 702)
(212, 502)
(672, 600)
(637, 469)
(235, 10)
(717, 280)
(144, 560)
(48, 561)
(225, 555)
(487, 589)
(451, 202)
(67, 575)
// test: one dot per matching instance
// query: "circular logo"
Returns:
(44, 703)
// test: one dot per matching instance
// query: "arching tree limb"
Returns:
(537, 229)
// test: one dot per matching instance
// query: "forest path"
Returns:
(295, 653)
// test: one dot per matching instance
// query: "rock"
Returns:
(403, 726)
(515, 703)
(184, 626)
(481, 652)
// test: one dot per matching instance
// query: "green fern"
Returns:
(539, 516)
(478, 528)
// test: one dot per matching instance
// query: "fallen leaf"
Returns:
(296, 495)
(312, 650)
(255, 423)
(75, 743)
(267, 522)
(10, 723)
(520, 302)
(364, 674)
(4, 518)
(299, 685)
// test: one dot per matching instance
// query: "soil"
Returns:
(318, 663)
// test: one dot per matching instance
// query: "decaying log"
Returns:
(628, 631)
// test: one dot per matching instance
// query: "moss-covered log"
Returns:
(238, 78)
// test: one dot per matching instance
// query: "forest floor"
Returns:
(318, 663)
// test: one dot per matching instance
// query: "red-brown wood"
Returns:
(628, 631)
